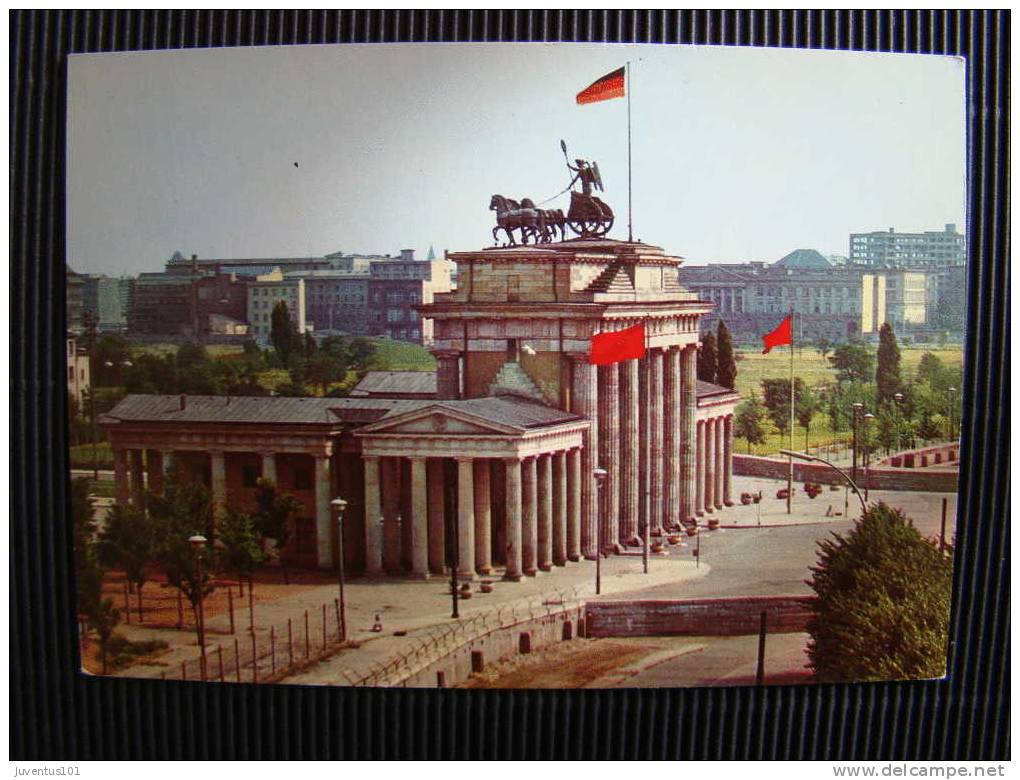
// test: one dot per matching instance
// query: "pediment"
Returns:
(438, 421)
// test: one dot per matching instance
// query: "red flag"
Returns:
(783, 334)
(617, 346)
(606, 88)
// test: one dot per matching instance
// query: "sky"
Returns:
(737, 154)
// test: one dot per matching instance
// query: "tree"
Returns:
(853, 362)
(88, 569)
(242, 552)
(274, 512)
(707, 358)
(129, 544)
(776, 395)
(183, 509)
(104, 619)
(283, 335)
(807, 404)
(824, 347)
(883, 603)
(726, 364)
(113, 349)
(749, 421)
(887, 373)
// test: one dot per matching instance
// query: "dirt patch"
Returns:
(163, 607)
(568, 665)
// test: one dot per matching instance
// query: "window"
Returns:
(302, 479)
(304, 536)
(70, 373)
(249, 476)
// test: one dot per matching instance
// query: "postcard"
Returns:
(515, 365)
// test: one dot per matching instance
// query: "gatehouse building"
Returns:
(488, 462)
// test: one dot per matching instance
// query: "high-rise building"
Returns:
(941, 249)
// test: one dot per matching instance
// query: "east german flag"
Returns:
(617, 346)
(606, 88)
(783, 334)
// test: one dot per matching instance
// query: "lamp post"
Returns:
(92, 415)
(849, 480)
(600, 475)
(857, 408)
(339, 505)
(198, 543)
(868, 417)
(952, 403)
(898, 398)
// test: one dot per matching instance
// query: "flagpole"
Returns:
(789, 476)
(630, 207)
(647, 452)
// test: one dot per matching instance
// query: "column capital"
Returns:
(445, 353)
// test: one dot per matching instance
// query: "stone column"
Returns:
(574, 505)
(710, 465)
(630, 427)
(437, 516)
(137, 478)
(483, 518)
(559, 509)
(513, 519)
(728, 462)
(447, 374)
(167, 457)
(699, 471)
(673, 434)
(585, 403)
(529, 522)
(122, 488)
(419, 519)
(609, 452)
(465, 518)
(657, 460)
(391, 514)
(269, 466)
(720, 456)
(323, 511)
(545, 512)
(688, 431)
(218, 472)
(373, 517)
(154, 470)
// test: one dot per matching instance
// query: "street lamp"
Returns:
(898, 397)
(952, 398)
(867, 452)
(849, 480)
(600, 475)
(857, 408)
(198, 543)
(92, 416)
(340, 505)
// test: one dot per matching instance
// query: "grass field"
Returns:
(401, 356)
(812, 369)
(81, 455)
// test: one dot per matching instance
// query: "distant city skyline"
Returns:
(739, 154)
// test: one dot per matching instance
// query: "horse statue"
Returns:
(538, 225)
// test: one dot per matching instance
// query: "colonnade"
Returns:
(536, 525)
(138, 469)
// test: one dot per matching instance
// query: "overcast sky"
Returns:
(738, 154)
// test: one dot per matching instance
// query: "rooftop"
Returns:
(507, 410)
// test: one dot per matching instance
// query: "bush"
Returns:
(883, 603)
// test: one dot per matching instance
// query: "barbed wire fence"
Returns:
(267, 654)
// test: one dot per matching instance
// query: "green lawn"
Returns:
(81, 455)
(812, 369)
(401, 356)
